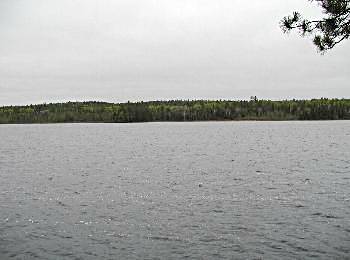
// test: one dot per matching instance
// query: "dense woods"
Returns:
(178, 110)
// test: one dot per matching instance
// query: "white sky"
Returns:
(119, 50)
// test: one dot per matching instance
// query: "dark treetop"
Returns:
(178, 110)
(326, 32)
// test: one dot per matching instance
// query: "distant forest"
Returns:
(177, 110)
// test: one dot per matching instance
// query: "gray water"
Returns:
(228, 190)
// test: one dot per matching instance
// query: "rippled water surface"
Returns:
(228, 190)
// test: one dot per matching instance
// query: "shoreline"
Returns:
(176, 122)
(178, 111)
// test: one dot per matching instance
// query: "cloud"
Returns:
(135, 49)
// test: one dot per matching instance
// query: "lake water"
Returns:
(208, 190)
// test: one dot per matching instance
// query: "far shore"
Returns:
(178, 111)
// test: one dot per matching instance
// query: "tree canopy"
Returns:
(178, 110)
(326, 32)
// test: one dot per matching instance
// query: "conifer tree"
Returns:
(326, 32)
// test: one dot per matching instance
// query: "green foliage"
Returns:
(326, 32)
(178, 110)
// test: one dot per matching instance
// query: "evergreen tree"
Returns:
(327, 32)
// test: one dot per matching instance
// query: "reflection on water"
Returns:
(241, 190)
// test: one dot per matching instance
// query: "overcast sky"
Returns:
(120, 50)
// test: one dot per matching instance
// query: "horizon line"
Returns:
(252, 98)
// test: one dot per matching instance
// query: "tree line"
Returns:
(177, 110)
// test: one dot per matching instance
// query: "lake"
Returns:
(204, 190)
